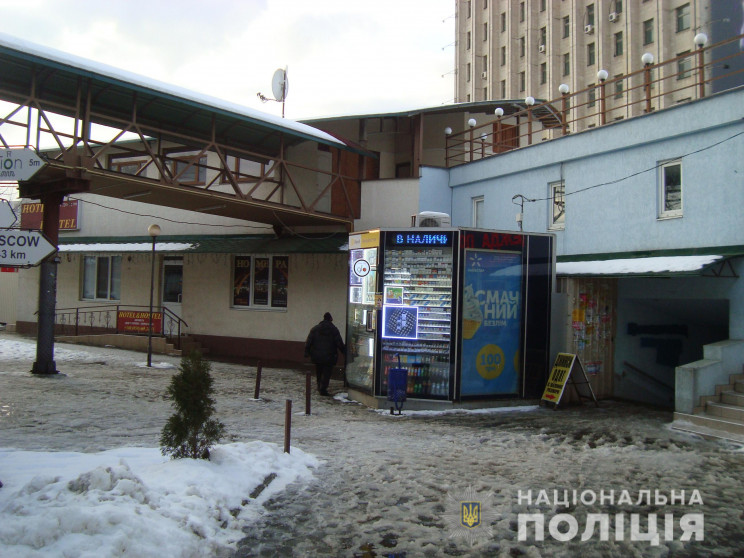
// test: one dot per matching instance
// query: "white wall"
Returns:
(388, 203)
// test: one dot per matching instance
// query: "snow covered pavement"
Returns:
(83, 476)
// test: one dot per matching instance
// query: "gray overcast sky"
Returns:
(343, 56)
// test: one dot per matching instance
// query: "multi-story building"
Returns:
(512, 49)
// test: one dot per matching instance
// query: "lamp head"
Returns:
(448, 131)
(471, 122)
(499, 112)
(602, 75)
(529, 101)
(700, 39)
(647, 58)
(153, 230)
(563, 88)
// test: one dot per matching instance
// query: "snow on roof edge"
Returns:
(631, 266)
(105, 70)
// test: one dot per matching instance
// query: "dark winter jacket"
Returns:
(323, 343)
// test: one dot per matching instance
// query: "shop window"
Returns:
(682, 15)
(478, 204)
(260, 281)
(557, 197)
(101, 278)
(670, 189)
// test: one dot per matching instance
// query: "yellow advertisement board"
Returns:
(558, 377)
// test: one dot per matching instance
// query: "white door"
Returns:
(172, 293)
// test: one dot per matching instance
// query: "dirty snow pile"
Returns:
(131, 501)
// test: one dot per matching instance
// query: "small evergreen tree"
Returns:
(191, 430)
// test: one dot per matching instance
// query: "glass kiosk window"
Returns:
(417, 311)
(361, 318)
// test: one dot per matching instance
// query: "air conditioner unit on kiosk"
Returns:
(589, 29)
(433, 219)
(614, 16)
(541, 48)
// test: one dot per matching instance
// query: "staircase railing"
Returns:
(92, 320)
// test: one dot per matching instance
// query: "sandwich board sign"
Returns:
(567, 367)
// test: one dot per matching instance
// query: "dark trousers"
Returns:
(323, 373)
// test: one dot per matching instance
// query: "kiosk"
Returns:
(467, 312)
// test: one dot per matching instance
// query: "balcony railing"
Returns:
(684, 78)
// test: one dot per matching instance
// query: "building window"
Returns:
(478, 204)
(566, 27)
(648, 31)
(521, 11)
(485, 63)
(683, 17)
(503, 22)
(619, 44)
(592, 96)
(543, 5)
(485, 93)
(101, 278)
(543, 73)
(503, 89)
(590, 54)
(521, 47)
(543, 36)
(467, 72)
(126, 166)
(618, 6)
(260, 281)
(522, 82)
(566, 64)
(241, 170)
(485, 4)
(467, 41)
(187, 169)
(503, 55)
(670, 189)
(485, 31)
(468, 8)
(684, 65)
(590, 14)
(557, 198)
(619, 86)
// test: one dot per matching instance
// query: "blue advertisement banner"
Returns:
(491, 322)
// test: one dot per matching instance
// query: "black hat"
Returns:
(327, 316)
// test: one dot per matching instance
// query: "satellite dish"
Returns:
(280, 85)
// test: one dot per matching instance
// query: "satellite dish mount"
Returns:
(279, 87)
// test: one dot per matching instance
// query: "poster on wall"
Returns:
(279, 281)
(400, 322)
(491, 322)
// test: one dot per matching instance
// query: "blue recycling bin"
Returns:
(397, 383)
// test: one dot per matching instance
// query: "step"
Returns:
(732, 398)
(725, 411)
(739, 386)
(709, 426)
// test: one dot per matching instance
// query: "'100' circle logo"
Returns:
(490, 362)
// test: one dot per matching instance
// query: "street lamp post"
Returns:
(154, 232)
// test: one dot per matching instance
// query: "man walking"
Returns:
(322, 346)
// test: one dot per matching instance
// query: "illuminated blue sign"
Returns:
(414, 238)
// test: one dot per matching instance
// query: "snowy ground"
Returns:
(83, 476)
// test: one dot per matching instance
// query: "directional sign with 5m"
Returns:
(21, 248)
(19, 164)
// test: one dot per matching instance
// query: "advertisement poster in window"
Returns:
(242, 281)
(491, 322)
(279, 281)
(261, 282)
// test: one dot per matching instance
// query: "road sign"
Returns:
(19, 164)
(19, 248)
(7, 215)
